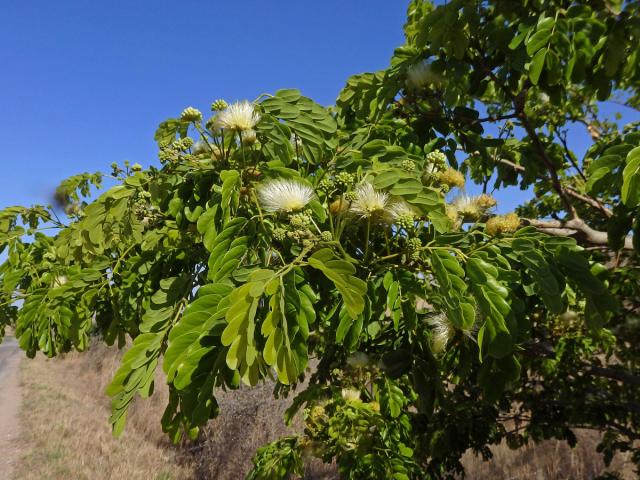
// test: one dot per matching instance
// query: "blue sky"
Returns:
(85, 84)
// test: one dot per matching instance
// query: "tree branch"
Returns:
(542, 153)
(594, 202)
(573, 227)
(544, 350)
(572, 192)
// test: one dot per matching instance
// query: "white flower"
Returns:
(403, 211)
(200, 147)
(443, 331)
(239, 117)
(358, 360)
(369, 201)
(249, 137)
(351, 394)
(467, 207)
(284, 195)
(420, 75)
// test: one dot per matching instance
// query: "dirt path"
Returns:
(9, 405)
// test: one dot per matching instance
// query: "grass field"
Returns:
(66, 434)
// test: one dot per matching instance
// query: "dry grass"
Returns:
(249, 418)
(66, 434)
(65, 430)
(548, 460)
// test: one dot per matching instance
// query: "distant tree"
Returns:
(280, 231)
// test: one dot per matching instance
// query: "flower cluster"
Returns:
(238, 117)
(443, 332)
(470, 209)
(420, 75)
(437, 159)
(369, 202)
(191, 114)
(508, 223)
(284, 195)
(451, 178)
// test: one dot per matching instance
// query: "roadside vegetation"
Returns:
(65, 434)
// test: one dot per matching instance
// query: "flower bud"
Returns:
(219, 105)
(191, 114)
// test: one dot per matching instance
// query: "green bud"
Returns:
(326, 236)
(344, 179)
(136, 167)
(219, 105)
(279, 234)
(405, 221)
(351, 196)
(437, 158)
(191, 114)
(300, 220)
(408, 165)
(326, 184)
(414, 244)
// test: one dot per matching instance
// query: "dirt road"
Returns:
(9, 405)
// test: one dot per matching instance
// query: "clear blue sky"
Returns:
(85, 83)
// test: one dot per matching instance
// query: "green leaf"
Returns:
(341, 273)
(631, 179)
(536, 66)
(538, 40)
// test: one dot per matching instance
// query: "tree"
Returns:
(279, 231)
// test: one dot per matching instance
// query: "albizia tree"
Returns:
(278, 239)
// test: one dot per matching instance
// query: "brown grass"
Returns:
(548, 460)
(65, 430)
(66, 434)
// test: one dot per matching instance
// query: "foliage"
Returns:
(284, 231)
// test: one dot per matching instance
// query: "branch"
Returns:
(509, 163)
(573, 227)
(594, 202)
(544, 350)
(540, 149)
(569, 154)
(614, 374)
(572, 192)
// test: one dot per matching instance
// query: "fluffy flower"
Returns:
(240, 116)
(421, 75)
(452, 178)
(200, 147)
(508, 223)
(249, 137)
(284, 195)
(485, 202)
(403, 214)
(369, 201)
(452, 213)
(351, 394)
(467, 207)
(442, 333)
(358, 360)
